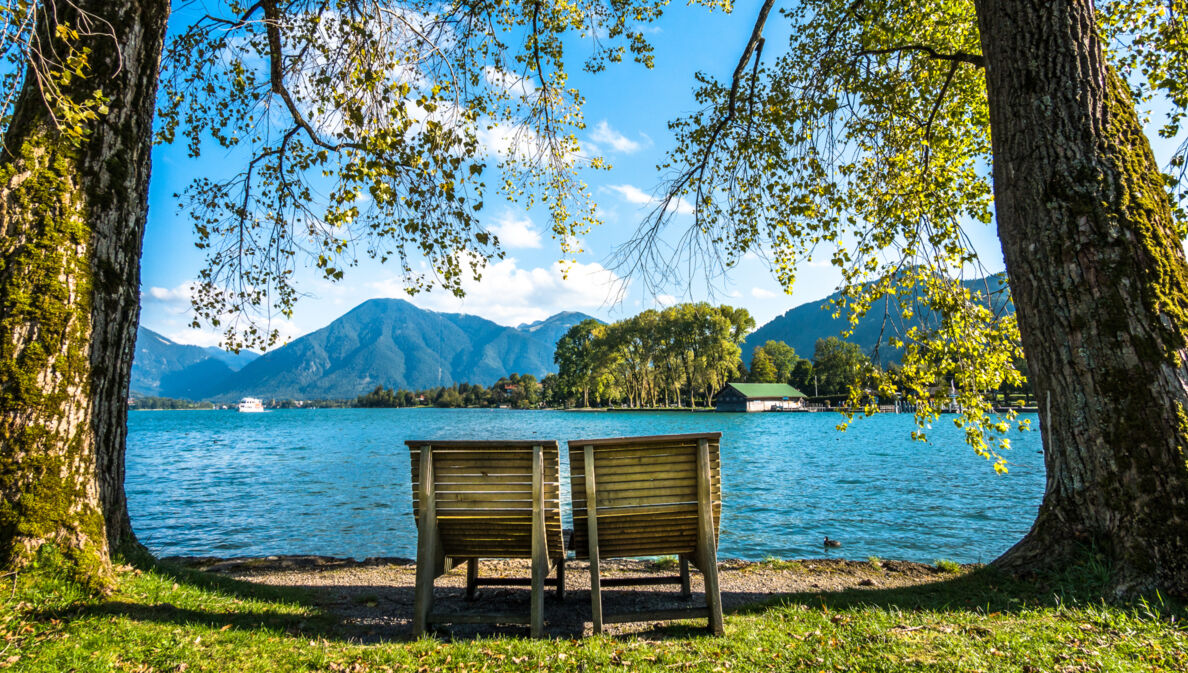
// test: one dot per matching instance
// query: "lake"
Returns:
(336, 481)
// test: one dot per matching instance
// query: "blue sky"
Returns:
(627, 110)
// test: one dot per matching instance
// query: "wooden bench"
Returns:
(486, 499)
(648, 496)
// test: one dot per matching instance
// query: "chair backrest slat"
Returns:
(646, 493)
(483, 496)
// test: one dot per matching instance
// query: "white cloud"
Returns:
(512, 83)
(182, 333)
(633, 194)
(169, 312)
(762, 294)
(511, 295)
(193, 337)
(589, 149)
(605, 135)
(516, 233)
(173, 300)
(575, 244)
(665, 300)
(520, 143)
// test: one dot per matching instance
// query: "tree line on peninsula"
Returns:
(681, 356)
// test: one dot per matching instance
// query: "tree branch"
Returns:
(544, 85)
(932, 116)
(237, 23)
(958, 57)
(753, 44)
(272, 24)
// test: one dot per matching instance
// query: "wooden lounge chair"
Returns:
(486, 499)
(647, 496)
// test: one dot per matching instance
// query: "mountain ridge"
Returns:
(385, 342)
(158, 361)
(801, 326)
(391, 342)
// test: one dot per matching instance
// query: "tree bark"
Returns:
(72, 215)
(1101, 287)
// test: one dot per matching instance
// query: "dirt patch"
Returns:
(373, 599)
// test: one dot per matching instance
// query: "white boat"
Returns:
(251, 404)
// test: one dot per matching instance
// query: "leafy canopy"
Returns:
(772, 362)
(39, 45)
(368, 128)
(866, 143)
(669, 355)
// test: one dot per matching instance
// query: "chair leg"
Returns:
(423, 593)
(426, 547)
(423, 596)
(561, 579)
(707, 543)
(471, 578)
(595, 594)
(686, 591)
(540, 559)
(536, 609)
(592, 534)
(713, 598)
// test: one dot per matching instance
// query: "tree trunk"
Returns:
(1101, 286)
(72, 216)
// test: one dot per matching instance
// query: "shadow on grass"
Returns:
(378, 613)
(982, 590)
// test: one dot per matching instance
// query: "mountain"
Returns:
(391, 343)
(800, 327)
(164, 367)
(551, 329)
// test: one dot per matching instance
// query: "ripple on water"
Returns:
(336, 481)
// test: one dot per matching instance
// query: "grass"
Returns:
(947, 566)
(666, 562)
(782, 564)
(168, 619)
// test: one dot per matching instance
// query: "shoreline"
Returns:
(377, 593)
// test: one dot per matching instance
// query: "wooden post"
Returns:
(471, 578)
(592, 534)
(686, 591)
(540, 558)
(707, 544)
(426, 544)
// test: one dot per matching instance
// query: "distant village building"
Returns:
(759, 397)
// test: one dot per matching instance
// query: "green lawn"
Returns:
(170, 619)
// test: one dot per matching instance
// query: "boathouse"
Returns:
(759, 397)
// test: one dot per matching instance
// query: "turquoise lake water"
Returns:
(336, 481)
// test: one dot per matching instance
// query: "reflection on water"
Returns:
(336, 481)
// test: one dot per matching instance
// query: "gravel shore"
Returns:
(373, 599)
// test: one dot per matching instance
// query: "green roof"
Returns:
(766, 390)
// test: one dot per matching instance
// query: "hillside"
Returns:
(392, 343)
(164, 367)
(800, 327)
(551, 329)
